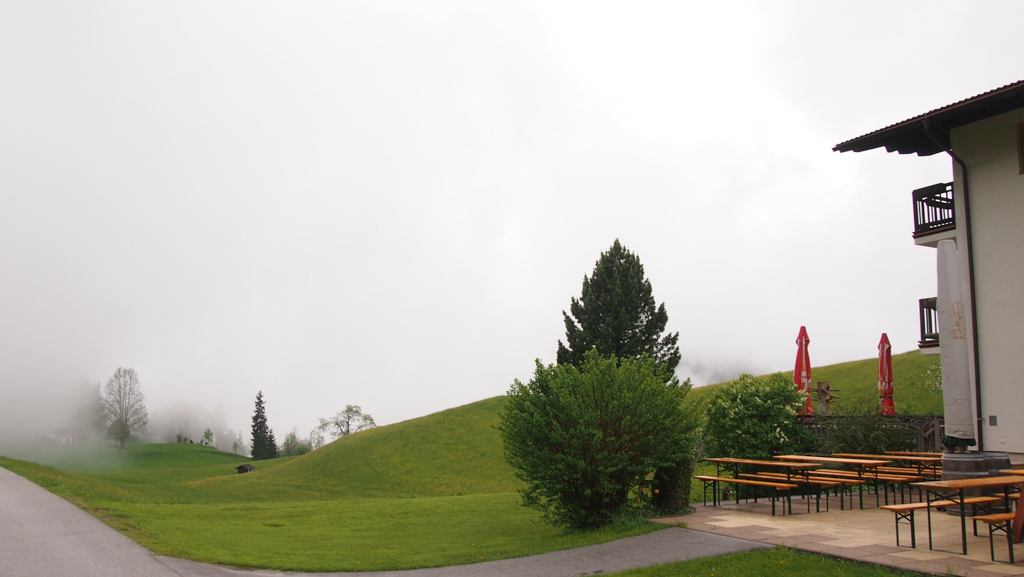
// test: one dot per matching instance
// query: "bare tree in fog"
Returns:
(90, 416)
(238, 445)
(351, 420)
(124, 405)
(316, 438)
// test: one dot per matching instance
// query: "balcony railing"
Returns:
(929, 323)
(933, 209)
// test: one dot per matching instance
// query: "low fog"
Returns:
(390, 205)
(51, 411)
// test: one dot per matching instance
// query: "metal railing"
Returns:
(903, 432)
(933, 209)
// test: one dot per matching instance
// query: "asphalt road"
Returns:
(42, 535)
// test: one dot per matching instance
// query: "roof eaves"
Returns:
(908, 136)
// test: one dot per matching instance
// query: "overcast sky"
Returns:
(389, 204)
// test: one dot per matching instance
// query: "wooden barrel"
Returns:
(995, 462)
(956, 466)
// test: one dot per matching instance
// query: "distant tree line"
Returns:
(264, 446)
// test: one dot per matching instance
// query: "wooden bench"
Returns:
(847, 483)
(937, 473)
(774, 487)
(797, 480)
(1010, 523)
(998, 522)
(888, 479)
(840, 485)
(905, 512)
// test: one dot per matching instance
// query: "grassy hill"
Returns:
(856, 383)
(426, 492)
(451, 453)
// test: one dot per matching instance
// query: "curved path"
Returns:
(43, 535)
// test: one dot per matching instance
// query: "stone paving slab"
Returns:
(862, 535)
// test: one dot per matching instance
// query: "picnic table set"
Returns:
(777, 478)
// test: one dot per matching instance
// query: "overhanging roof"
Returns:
(909, 136)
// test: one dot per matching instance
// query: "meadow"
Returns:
(427, 492)
(766, 563)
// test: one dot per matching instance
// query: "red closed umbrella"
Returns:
(885, 404)
(802, 372)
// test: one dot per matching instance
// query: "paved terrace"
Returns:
(861, 535)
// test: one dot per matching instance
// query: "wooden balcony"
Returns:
(933, 209)
(929, 315)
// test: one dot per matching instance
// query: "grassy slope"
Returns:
(432, 491)
(454, 452)
(857, 385)
(427, 492)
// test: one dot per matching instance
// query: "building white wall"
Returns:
(989, 148)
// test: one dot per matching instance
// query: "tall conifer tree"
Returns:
(617, 315)
(264, 446)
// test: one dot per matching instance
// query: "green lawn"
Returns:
(766, 563)
(428, 492)
(355, 534)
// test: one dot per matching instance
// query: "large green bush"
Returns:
(865, 432)
(591, 442)
(755, 418)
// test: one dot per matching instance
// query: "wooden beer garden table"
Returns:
(923, 463)
(861, 465)
(791, 469)
(953, 490)
(917, 453)
(788, 468)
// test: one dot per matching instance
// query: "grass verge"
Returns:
(766, 563)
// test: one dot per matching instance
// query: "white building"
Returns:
(982, 210)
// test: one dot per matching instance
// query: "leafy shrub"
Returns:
(755, 418)
(589, 442)
(294, 446)
(867, 432)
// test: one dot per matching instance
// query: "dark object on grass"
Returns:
(246, 468)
